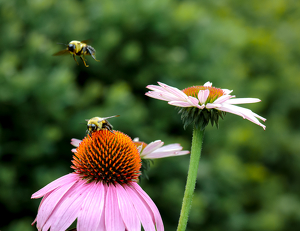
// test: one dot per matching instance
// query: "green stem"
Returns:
(191, 179)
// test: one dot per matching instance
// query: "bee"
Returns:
(80, 49)
(98, 123)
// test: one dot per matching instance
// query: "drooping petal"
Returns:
(157, 218)
(143, 211)
(245, 113)
(66, 212)
(113, 218)
(92, 208)
(50, 203)
(127, 210)
(202, 96)
(64, 180)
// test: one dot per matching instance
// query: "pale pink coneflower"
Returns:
(201, 104)
(102, 193)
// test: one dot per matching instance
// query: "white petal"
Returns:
(227, 92)
(243, 100)
(222, 99)
(207, 84)
(181, 104)
(151, 147)
(75, 142)
(202, 96)
(244, 112)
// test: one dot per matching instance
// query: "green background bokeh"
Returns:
(248, 177)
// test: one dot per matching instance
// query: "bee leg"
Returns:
(95, 58)
(109, 128)
(75, 59)
(82, 58)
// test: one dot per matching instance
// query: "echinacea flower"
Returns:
(201, 104)
(102, 193)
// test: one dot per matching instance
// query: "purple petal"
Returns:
(150, 203)
(113, 218)
(127, 210)
(142, 209)
(92, 208)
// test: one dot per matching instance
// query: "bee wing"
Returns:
(110, 117)
(63, 52)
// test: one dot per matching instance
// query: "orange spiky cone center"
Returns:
(107, 157)
(214, 93)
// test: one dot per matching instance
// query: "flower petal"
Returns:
(113, 218)
(68, 208)
(127, 210)
(64, 180)
(207, 84)
(143, 211)
(75, 142)
(181, 104)
(151, 147)
(173, 90)
(243, 100)
(222, 99)
(157, 218)
(245, 113)
(92, 208)
(202, 96)
(166, 151)
(50, 203)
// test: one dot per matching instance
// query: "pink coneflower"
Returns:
(201, 104)
(102, 193)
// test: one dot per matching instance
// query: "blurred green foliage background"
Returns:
(248, 177)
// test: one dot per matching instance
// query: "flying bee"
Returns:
(80, 49)
(98, 123)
